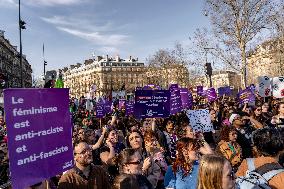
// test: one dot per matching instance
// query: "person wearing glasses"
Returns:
(150, 168)
(215, 172)
(130, 167)
(84, 174)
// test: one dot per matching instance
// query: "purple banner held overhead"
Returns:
(129, 107)
(100, 110)
(152, 103)
(186, 98)
(107, 107)
(211, 95)
(39, 134)
(176, 104)
(199, 90)
(225, 91)
(246, 96)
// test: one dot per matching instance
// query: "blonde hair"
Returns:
(211, 172)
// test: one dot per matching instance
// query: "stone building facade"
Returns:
(266, 60)
(177, 74)
(106, 74)
(10, 65)
(220, 79)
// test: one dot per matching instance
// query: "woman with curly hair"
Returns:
(184, 171)
(228, 147)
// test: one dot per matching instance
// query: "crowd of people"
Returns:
(120, 151)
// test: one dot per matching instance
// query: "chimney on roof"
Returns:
(117, 59)
(130, 59)
(2, 33)
(107, 58)
(99, 58)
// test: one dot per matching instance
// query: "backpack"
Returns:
(258, 178)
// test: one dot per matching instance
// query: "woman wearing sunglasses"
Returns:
(130, 167)
(215, 172)
(184, 171)
(150, 168)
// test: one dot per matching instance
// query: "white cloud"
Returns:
(53, 2)
(96, 37)
(83, 24)
(8, 3)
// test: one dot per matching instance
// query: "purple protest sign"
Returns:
(176, 104)
(152, 103)
(211, 94)
(100, 110)
(121, 104)
(173, 86)
(151, 87)
(39, 134)
(224, 91)
(246, 96)
(186, 98)
(107, 107)
(129, 107)
(199, 90)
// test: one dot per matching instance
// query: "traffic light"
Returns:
(208, 69)
(22, 24)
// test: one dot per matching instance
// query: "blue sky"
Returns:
(74, 29)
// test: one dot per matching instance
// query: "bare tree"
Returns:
(237, 22)
(166, 65)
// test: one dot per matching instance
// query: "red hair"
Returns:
(180, 162)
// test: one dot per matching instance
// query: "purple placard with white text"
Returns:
(186, 98)
(39, 134)
(129, 107)
(176, 104)
(100, 110)
(152, 103)
(121, 104)
(211, 95)
(199, 90)
(107, 107)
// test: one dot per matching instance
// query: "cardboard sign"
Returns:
(39, 134)
(152, 103)
(278, 87)
(200, 120)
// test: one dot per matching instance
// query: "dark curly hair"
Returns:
(225, 131)
(268, 141)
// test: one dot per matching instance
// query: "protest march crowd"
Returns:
(243, 149)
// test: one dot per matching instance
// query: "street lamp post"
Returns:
(21, 26)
